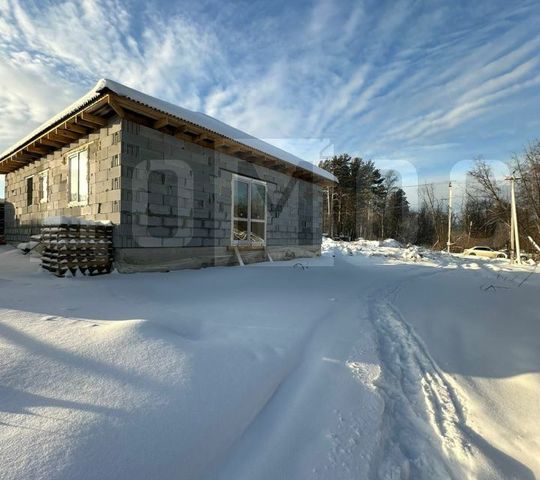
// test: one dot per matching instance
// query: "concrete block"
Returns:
(159, 209)
(155, 198)
(160, 232)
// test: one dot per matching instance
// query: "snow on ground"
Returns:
(373, 361)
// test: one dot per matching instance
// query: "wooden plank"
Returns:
(238, 256)
(138, 108)
(185, 128)
(180, 129)
(23, 158)
(75, 128)
(100, 102)
(67, 133)
(204, 140)
(26, 154)
(59, 138)
(50, 143)
(183, 136)
(41, 150)
(269, 163)
(162, 122)
(117, 108)
(88, 117)
(84, 123)
(149, 112)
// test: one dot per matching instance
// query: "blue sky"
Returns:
(421, 84)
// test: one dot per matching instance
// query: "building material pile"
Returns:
(2, 222)
(77, 246)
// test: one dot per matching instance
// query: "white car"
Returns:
(485, 252)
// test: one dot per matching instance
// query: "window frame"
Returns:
(43, 198)
(31, 197)
(69, 156)
(250, 181)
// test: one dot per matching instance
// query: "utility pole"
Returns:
(512, 246)
(448, 243)
(331, 211)
(513, 219)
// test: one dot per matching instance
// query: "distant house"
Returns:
(182, 188)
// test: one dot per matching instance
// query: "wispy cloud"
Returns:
(386, 79)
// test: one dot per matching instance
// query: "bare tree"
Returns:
(432, 216)
(389, 184)
(527, 168)
(485, 187)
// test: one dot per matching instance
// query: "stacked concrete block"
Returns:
(2, 222)
(87, 248)
(103, 145)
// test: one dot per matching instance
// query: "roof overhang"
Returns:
(93, 111)
(60, 133)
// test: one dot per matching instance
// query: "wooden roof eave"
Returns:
(62, 133)
(185, 130)
(86, 120)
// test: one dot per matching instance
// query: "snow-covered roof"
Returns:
(197, 118)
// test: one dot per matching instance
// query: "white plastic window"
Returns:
(78, 177)
(249, 211)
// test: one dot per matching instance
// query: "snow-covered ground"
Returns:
(373, 361)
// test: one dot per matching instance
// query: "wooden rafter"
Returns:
(72, 127)
(67, 133)
(51, 143)
(162, 122)
(203, 139)
(117, 108)
(83, 123)
(39, 150)
(86, 120)
(57, 137)
(94, 119)
(179, 130)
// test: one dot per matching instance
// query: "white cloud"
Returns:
(52, 51)
(397, 77)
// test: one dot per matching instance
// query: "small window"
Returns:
(29, 191)
(78, 177)
(44, 186)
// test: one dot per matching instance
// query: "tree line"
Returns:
(368, 203)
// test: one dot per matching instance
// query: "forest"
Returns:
(370, 203)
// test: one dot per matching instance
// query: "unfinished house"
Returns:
(182, 189)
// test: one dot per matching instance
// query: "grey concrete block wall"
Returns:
(162, 192)
(178, 194)
(103, 198)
